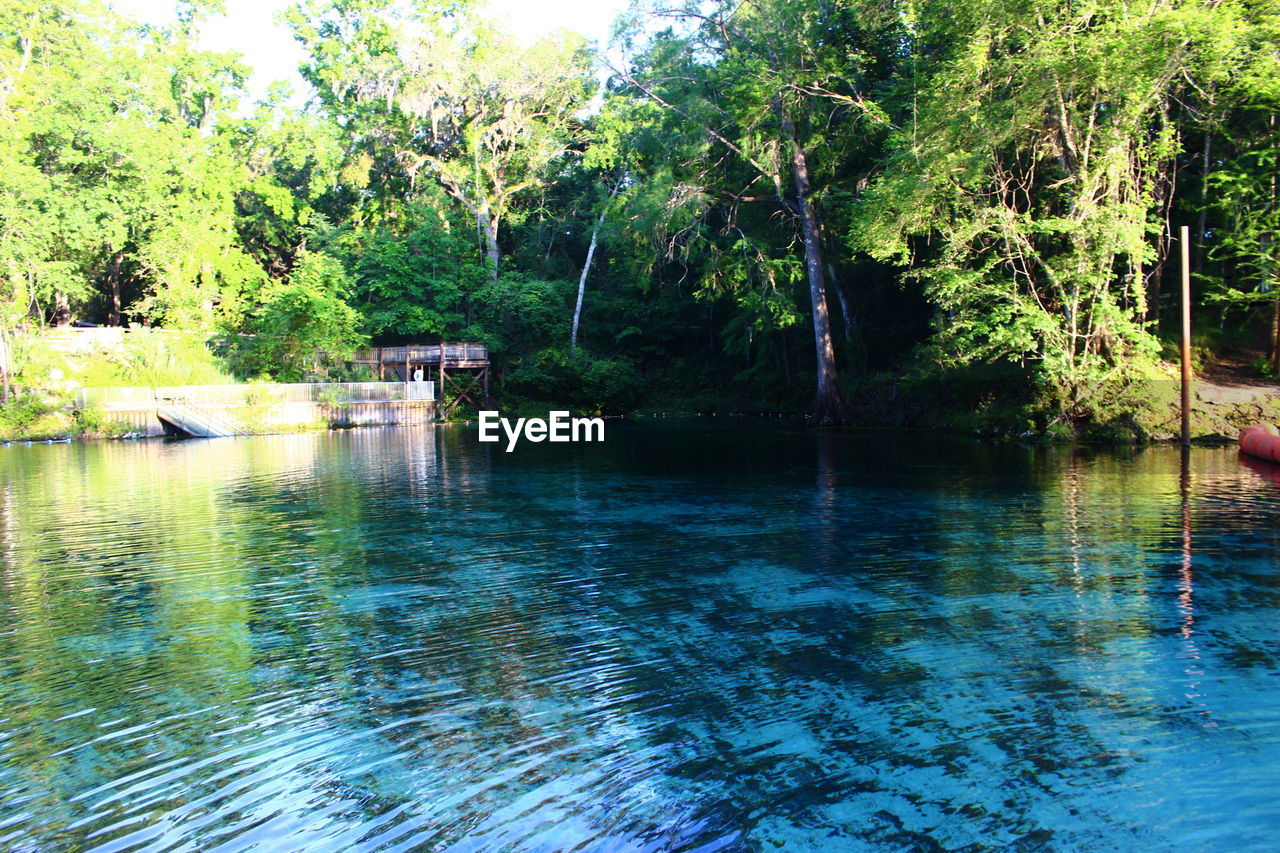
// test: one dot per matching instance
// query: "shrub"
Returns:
(90, 422)
(30, 417)
(297, 321)
(578, 381)
(159, 360)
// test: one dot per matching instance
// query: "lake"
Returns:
(699, 636)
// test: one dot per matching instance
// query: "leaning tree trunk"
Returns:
(829, 406)
(582, 279)
(582, 282)
(1272, 282)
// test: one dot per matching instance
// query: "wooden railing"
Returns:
(451, 354)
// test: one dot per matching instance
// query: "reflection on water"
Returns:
(684, 639)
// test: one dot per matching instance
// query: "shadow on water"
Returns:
(691, 637)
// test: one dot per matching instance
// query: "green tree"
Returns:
(303, 322)
(780, 87)
(111, 181)
(448, 99)
(1243, 186)
(294, 178)
(421, 285)
(1025, 185)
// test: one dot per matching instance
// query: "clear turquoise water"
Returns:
(685, 639)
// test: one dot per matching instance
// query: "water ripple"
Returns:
(685, 639)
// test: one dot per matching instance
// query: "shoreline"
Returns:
(1203, 437)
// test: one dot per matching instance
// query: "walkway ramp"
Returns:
(198, 423)
(261, 408)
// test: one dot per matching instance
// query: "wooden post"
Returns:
(4, 363)
(382, 371)
(1186, 588)
(1186, 337)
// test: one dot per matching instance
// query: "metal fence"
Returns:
(323, 393)
(425, 390)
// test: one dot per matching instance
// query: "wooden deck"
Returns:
(469, 361)
(450, 356)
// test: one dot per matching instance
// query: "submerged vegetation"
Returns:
(878, 211)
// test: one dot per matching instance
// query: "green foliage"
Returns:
(418, 286)
(581, 383)
(145, 357)
(111, 188)
(333, 397)
(1035, 162)
(303, 323)
(90, 422)
(436, 96)
(31, 417)
(291, 187)
(1242, 189)
(158, 361)
(518, 313)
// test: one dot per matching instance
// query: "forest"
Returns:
(955, 213)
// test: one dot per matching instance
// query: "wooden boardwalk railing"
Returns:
(414, 362)
(468, 355)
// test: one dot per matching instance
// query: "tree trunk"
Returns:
(1275, 336)
(61, 310)
(582, 282)
(1273, 355)
(1202, 236)
(846, 313)
(4, 363)
(829, 406)
(582, 279)
(488, 225)
(113, 317)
